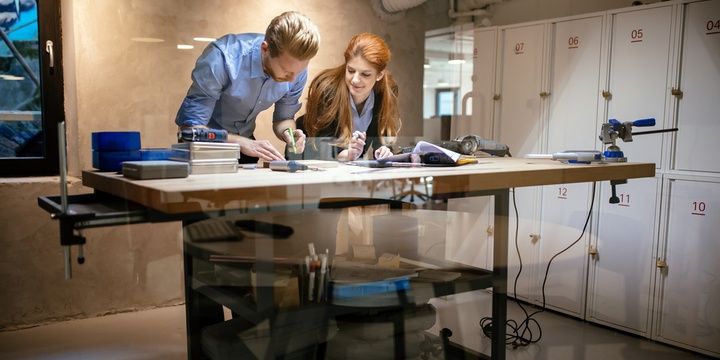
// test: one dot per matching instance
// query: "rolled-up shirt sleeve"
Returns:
(208, 80)
(289, 105)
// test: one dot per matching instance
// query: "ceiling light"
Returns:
(185, 47)
(204, 39)
(147, 39)
(426, 65)
(11, 77)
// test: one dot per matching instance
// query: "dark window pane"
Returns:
(20, 105)
(30, 90)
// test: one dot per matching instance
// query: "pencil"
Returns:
(292, 139)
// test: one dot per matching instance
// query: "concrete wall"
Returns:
(114, 83)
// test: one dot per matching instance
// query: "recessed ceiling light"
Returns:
(11, 77)
(147, 39)
(204, 39)
(185, 47)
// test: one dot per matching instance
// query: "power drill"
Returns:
(203, 134)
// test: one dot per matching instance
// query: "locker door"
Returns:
(470, 240)
(575, 85)
(564, 210)
(690, 285)
(621, 272)
(519, 123)
(520, 65)
(573, 103)
(639, 76)
(699, 108)
(484, 54)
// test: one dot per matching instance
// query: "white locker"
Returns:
(621, 273)
(518, 124)
(521, 55)
(572, 115)
(469, 236)
(564, 210)
(689, 310)
(699, 108)
(575, 85)
(483, 86)
(639, 76)
(470, 240)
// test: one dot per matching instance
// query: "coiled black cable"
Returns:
(522, 334)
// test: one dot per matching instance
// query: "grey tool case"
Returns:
(155, 169)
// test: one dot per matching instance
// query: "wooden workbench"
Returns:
(219, 193)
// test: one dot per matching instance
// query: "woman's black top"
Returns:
(322, 146)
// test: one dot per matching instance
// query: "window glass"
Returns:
(31, 95)
(20, 105)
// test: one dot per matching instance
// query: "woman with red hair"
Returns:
(355, 103)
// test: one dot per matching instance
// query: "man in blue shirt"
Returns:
(240, 75)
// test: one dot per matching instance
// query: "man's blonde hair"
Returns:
(292, 33)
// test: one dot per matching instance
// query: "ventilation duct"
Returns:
(475, 8)
(393, 10)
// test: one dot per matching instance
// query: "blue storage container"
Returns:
(155, 154)
(112, 160)
(354, 290)
(116, 140)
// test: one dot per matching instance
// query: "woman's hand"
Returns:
(357, 144)
(383, 152)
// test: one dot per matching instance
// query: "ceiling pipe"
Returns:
(475, 5)
(393, 10)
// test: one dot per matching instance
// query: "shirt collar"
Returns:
(256, 68)
(369, 104)
(361, 122)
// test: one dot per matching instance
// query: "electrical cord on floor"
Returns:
(521, 334)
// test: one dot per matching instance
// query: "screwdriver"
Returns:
(285, 165)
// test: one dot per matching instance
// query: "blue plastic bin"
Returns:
(116, 140)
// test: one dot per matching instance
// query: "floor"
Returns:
(160, 334)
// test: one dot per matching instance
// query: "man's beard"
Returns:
(268, 70)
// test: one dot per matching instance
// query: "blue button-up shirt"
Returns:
(230, 88)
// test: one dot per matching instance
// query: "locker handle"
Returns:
(490, 231)
(607, 95)
(661, 264)
(496, 97)
(593, 251)
(677, 93)
(534, 238)
(544, 94)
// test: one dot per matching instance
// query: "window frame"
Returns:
(52, 98)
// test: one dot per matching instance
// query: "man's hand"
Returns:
(382, 152)
(262, 149)
(299, 138)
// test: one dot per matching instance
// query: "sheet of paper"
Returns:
(423, 146)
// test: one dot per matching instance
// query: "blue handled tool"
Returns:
(614, 129)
